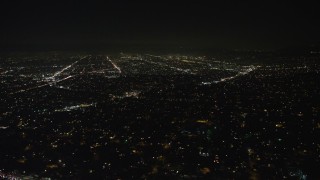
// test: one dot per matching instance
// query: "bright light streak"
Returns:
(114, 65)
(241, 73)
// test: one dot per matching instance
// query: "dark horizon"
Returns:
(74, 24)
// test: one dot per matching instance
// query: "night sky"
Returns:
(223, 24)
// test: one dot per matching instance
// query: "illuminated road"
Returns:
(49, 81)
(43, 85)
(241, 73)
(114, 65)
